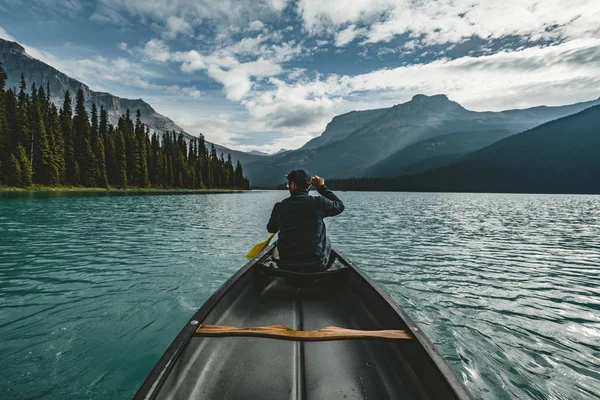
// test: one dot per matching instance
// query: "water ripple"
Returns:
(94, 289)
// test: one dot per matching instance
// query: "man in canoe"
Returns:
(303, 245)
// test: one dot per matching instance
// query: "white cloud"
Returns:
(450, 21)
(552, 75)
(156, 50)
(123, 46)
(256, 25)
(345, 36)
(222, 66)
(222, 13)
(174, 26)
(237, 80)
(299, 108)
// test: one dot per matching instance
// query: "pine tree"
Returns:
(131, 147)
(98, 149)
(42, 160)
(71, 164)
(141, 153)
(4, 137)
(88, 166)
(121, 160)
(239, 175)
(229, 171)
(3, 78)
(214, 167)
(22, 100)
(56, 143)
(25, 165)
(40, 144)
(14, 176)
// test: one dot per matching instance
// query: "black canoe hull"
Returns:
(253, 367)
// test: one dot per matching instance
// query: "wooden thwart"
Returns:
(283, 332)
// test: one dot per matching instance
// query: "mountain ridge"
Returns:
(15, 61)
(355, 141)
(559, 156)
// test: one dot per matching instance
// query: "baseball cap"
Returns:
(298, 175)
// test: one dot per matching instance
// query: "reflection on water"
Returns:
(94, 288)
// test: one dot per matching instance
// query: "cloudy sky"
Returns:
(267, 74)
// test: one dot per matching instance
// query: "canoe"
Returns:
(272, 334)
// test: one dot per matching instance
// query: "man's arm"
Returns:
(273, 224)
(330, 204)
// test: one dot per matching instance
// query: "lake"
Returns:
(94, 288)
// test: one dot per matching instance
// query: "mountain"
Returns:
(432, 153)
(15, 61)
(354, 142)
(560, 156)
(258, 153)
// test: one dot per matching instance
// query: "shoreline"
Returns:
(48, 191)
(40, 188)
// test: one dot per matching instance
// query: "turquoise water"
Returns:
(94, 288)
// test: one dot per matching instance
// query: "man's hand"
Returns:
(317, 181)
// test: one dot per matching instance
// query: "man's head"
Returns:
(298, 181)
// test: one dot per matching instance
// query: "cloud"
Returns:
(237, 80)
(451, 21)
(222, 65)
(221, 14)
(174, 26)
(256, 25)
(156, 50)
(551, 75)
(123, 46)
(345, 36)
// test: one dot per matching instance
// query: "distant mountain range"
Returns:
(15, 61)
(561, 156)
(417, 137)
(262, 153)
(423, 133)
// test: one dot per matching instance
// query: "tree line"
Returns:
(50, 146)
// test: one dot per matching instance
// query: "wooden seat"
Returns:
(285, 333)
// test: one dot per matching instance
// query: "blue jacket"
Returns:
(299, 220)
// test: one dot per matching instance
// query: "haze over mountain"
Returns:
(560, 156)
(353, 144)
(15, 61)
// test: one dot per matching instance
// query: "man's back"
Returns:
(302, 234)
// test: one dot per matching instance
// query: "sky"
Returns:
(270, 74)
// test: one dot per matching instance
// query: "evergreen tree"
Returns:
(56, 143)
(214, 167)
(239, 175)
(131, 149)
(15, 176)
(4, 138)
(71, 163)
(3, 78)
(25, 165)
(121, 160)
(97, 145)
(229, 172)
(88, 165)
(22, 100)
(42, 160)
(41, 144)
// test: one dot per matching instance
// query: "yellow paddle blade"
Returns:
(256, 250)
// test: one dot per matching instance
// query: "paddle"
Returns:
(257, 249)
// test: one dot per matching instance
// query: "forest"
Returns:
(42, 145)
